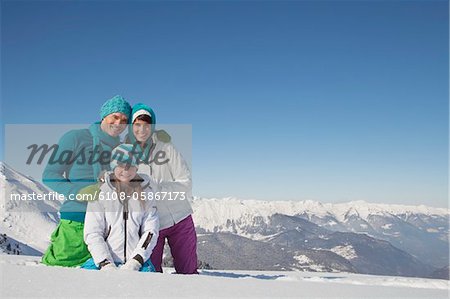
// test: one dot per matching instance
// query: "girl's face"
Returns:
(141, 130)
(124, 173)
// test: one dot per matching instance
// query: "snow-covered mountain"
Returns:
(9, 245)
(374, 238)
(211, 213)
(25, 222)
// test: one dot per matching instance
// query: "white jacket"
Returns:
(171, 177)
(111, 233)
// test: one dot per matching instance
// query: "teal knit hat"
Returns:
(123, 154)
(140, 109)
(114, 105)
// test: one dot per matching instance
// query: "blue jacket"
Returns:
(68, 177)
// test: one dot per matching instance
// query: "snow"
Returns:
(302, 259)
(23, 276)
(347, 251)
(306, 264)
(387, 226)
(31, 221)
(212, 214)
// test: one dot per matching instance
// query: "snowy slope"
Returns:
(9, 245)
(30, 222)
(24, 277)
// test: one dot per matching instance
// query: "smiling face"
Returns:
(114, 124)
(142, 130)
(124, 173)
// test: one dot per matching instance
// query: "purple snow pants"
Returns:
(183, 247)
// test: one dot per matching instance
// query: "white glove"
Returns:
(131, 265)
(109, 267)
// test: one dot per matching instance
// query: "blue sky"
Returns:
(327, 100)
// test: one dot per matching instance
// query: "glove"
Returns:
(163, 136)
(109, 267)
(89, 193)
(131, 265)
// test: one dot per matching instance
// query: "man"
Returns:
(80, 158)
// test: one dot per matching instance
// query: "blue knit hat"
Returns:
(142, 109)
(123, 154)
(114, 105)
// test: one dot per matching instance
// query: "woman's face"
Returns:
(141, 130)
(124, 173)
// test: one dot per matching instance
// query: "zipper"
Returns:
(107, 233)
(150, 152)
(125, 218)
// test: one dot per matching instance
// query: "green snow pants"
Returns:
(67, 247)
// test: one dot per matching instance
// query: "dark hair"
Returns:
(147, 119)
(144, 117)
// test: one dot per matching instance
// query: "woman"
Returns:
(169, 173)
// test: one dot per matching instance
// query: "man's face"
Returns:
(114, 124)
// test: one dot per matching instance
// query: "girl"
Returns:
(122, 227)
(169, 173)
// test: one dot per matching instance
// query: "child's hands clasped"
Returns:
(131, 265)
(109, 267)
